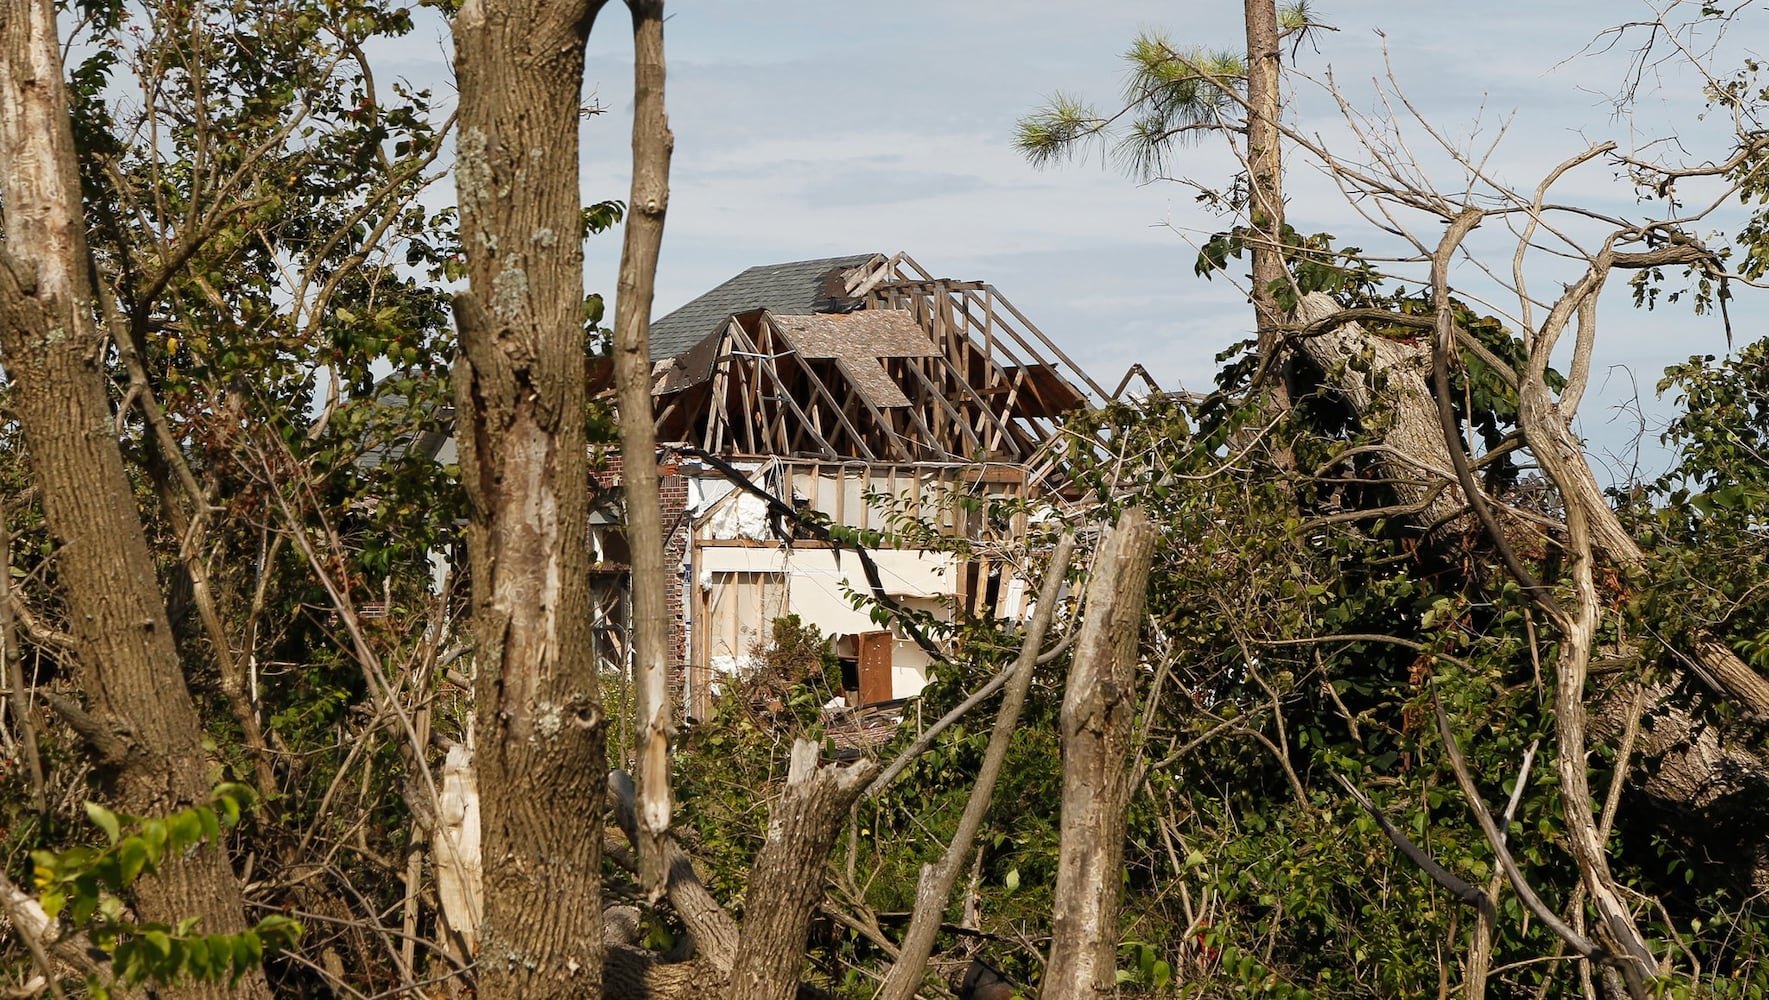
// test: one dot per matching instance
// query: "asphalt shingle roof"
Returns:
(795, 288)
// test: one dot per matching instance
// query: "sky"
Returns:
(806, 128)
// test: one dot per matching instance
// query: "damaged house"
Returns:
(803, 400)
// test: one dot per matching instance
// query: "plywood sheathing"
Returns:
(858, 341)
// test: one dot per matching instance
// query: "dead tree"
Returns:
(1098, 722)
(1591, 534)
(786, 882)
(638, 437)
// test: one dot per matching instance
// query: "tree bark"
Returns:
(1616, 926)
(1386, 384)
(1265, 196)
(520, 420)
(652, 143)
(1549, 433)
(1098, 723)
(147, 732)
(714, 933)
(1265, 176)
(787, 879)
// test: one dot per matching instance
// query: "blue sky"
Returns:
(808, 129)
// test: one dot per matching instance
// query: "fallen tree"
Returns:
(1393, 392)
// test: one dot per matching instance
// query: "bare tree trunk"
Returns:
(1549, 432)
(139, 716)
(935, 887)
(1265, 194)
(520, 419)
(1265, 176)
(714, 933)
(787, 879)
(638, 440)
(1615, 926)
(1098, 722)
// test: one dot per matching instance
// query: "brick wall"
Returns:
(672, 491)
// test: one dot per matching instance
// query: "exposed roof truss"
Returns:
(930, 370)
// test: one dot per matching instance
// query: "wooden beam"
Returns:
(823, 393)
(1047, 342)
(964, 384)
(878, 416)
(767, 365)
(932, 392)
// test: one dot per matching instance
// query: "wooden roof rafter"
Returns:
(973, 367)
(936, 399)
(785, 442)
(1024, 338)
(888, 365)
(960, 350)
(780, 349)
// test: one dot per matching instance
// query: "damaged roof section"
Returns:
(798, 287)
(866, 358)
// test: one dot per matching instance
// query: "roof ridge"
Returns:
(794, 287)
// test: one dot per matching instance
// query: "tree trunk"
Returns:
(520, 420)
(1265, 196)
(1551, 440)
(787, 879)
(638, 441)
(139, 715)
(1265, 177)
(1098, 722)
(1386, 384)
(712, 930)
(1584, 842)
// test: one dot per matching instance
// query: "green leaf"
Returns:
(183, 830)
(201, 960)
(85, 899)
(248, 953)
(105, 820)
(132, 858)
(211, 823)
(153, 838)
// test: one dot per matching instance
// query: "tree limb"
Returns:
(904, 979)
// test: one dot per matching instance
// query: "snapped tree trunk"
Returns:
(138, 715)
(1387, 385)
(1098, 721)
(787, 879)
(520, 419)
(638, 441)
(714, 933)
